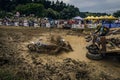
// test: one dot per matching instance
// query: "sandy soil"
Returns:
(16, 39)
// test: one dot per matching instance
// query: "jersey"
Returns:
(103, 31)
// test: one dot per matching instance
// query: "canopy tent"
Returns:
(92, 17)
(89, 18)
(112, 17)
(78, 18)
(96, 18)
(101, 18)
(106, 17)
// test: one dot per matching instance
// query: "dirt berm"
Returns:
(18, 63)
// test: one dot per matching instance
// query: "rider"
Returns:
(102, 32)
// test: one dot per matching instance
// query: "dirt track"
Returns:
(13, 42)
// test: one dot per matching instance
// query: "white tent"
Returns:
(78, 18)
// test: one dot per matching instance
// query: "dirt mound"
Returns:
(66, 69)
(17, 63)
(8, 54)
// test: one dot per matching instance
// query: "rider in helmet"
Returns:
(102, 31)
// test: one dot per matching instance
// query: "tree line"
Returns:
(42, 8)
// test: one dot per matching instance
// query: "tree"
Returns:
(52, 14)
(17, 2)
(31, 8)
(47, 4)
(117, 13)
(40, 8)
(4, 14)
(5, 5)
(52, 4)
(69, 12)
(82, 14)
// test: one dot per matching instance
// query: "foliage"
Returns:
(96, 14)
(83, 14)
(43, 8)
(31, 8)
(5, 5)
(52, 14)
(117, 13)
(69, 12)
(4, 13)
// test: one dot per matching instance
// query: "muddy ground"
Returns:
(18, 63)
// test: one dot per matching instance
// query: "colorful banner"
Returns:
(113, 25)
